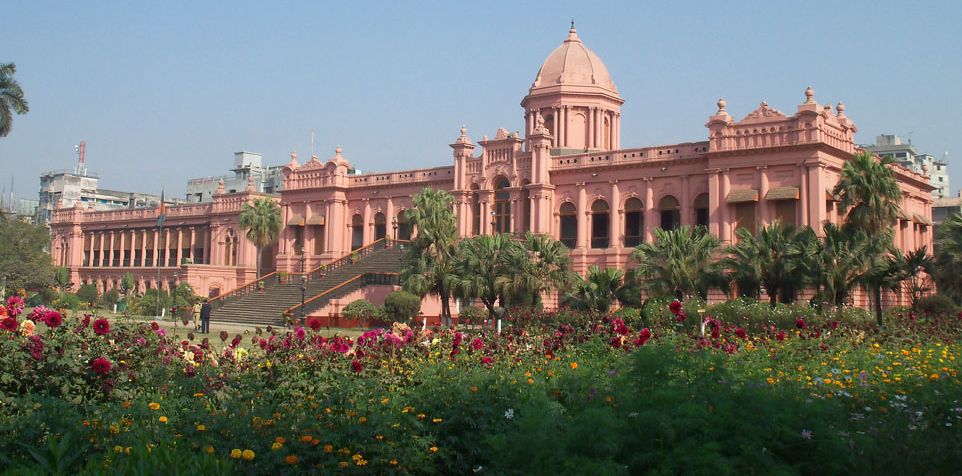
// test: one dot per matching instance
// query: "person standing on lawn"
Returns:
(196, 310)
(205, 317)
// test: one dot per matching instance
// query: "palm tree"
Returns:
(843, 259)
(869, 192)
(541, 264)
(481, 268)
(680, 263)
(262, 220)
(948, 257)
(429, 262)
(600, 288)
(772, 260)
(11, 98)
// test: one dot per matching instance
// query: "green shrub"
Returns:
(361, 309)
(87, 293)
(472, 315)
(631, 316)
(936, 305)
(401, 306)
(148, 302)
(66, 300)
(111, 297)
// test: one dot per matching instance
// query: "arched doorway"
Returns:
(634, 222)
(569, 224)
(380, 226)
(669, 209)
(357, 232)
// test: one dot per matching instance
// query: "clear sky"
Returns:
(166, 91)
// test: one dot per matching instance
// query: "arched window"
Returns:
(670, 216)
(600, 224)
(380, 226)
(701, 210)
(569, 225)
(357, 232)
(502, 206)
(403, 227)
(634, 222)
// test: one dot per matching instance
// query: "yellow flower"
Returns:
(385, 400)
(393, 462)
(276, 446)
(378, 437)
(126, 404)
(328, 448)
(434, 449)
(118, 449)
(280, 439)
(114, 429)
(154, 406)
(437, 420)
(362, 419)
(474, 389)
(344, 464)
(248, 455)
(198, 394)
(235, 453)
(530, 380)
(162, 419)
(306, 438)
(934, 377)
(290, 459)
(574, 365)
(201, 427)
(209, 449)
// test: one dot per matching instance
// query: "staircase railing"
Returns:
(355, 256)
(268, 281)
(351, 284)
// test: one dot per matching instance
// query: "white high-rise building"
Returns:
(890, 145)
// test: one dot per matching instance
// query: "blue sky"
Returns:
(166, 91)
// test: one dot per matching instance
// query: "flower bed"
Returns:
(558, 393)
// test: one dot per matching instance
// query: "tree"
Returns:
(680, 263)
(24, 260)
(361, 309)
(843, 259)
(401, 306)
(600, 288)
(429, 262)
(262, 220)
(868, 192)
(11, 98)
(481, 268)
(948, 257)
(127, 284)
(772, 261)
(541, 264)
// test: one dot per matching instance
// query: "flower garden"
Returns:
(739, 388)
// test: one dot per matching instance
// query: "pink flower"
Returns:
(299, 333)
(487, 360)
(101, 327)
(356, 366)
(53, 319)
(100, 365)
(14, 305)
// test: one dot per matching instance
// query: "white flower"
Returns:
(807, 434)
(509, 414)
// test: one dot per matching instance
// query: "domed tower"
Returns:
(576, 98)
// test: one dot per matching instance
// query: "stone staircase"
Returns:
(265, 306)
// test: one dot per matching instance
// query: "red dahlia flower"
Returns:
(101, 327)
(800, 323)
(14, 305)
(53, 319)
(740, 333)
(674, 307)
(9, 324)
(100, 365)
(643, 337)
(356, 366)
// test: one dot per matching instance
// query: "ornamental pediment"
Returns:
(764, 113)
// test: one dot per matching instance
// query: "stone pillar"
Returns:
(156, 247)
(180, 246)
(390, 217)
(562, 126)
(616, 215)
(803, 201)
(90, 251)
(726, 226)
(368, 224)
(205, 239)
(816, 195)
(103, 251)
(121, 250)
(649, 210)
(684, 204)
(167, 248)
(193, 242)
(143, 247)
(583, 215)
(763, 205)
(485, 218)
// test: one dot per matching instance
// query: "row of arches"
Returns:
(633, 226)
(403, 228)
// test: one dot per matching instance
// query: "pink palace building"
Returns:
(567, 176)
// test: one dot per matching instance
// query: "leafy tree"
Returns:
(24, 260)
(771, 260)
(948, 257)
(843, 257)
(184, 296)
(262, 220)
(481, 268)
(680, 263)
(88, 294)
(149, 302)
(361, 309)
(401, 306)
(11, 98)
(127, 284)
(429, 263)
(111, 297)
(541, 264)
(600, 288)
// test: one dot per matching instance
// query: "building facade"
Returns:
(64, 188)
(567, 175)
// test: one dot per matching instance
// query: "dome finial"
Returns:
(572, 33)
(809, 95)
(572, 23)
(721, 105)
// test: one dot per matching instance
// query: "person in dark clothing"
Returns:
(205, 317)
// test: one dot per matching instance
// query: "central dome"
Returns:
(573, 64)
